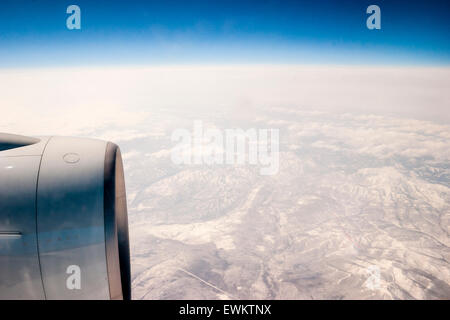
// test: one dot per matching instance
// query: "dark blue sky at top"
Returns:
(34, 33)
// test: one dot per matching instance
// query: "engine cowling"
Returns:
(63, 219)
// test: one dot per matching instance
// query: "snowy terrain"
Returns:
(352, 192)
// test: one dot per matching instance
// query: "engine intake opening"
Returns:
(12, 141)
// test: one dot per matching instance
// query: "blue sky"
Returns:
(34, 33)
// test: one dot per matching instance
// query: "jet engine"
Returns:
(63, 219)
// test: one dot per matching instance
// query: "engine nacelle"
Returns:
(63, 219)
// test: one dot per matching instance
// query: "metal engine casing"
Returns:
(62, 206)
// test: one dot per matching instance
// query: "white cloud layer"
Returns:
(81, 100)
